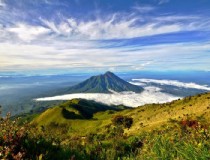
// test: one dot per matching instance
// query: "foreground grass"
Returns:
(178, 142)
(186, 139)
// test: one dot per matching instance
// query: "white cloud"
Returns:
(115, 27)
(173, 18)
(73, 43)
(52, 26)
(149, 95)
(120, 26)
(89, 54)
(72, 55)
(27, 32)
(2, 3)
(172, 83)
(112, 26)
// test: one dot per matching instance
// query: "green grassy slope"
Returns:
(86, 130)
(93, 117)
(78, 115)
(152, 116)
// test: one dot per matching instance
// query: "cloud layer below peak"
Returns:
(149, 95)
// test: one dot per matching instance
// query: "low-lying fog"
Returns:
(149, 95)
(155, 91)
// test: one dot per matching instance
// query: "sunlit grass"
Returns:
(178, 130)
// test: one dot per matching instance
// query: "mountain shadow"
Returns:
(76, 109)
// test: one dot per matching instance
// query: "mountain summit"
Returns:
(103, 84)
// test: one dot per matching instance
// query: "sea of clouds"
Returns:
(131, 99)
(151, 94)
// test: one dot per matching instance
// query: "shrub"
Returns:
(25, 143)
(124, 121)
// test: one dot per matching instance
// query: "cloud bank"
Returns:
(149, 95)
(171, 83)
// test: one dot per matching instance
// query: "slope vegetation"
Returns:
(83, 117)
(86, 130)
(78, 115)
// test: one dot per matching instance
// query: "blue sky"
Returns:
(97, 35)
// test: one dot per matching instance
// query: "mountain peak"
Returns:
(103, 84)
(109, 73)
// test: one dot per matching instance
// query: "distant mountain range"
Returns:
(104, 84)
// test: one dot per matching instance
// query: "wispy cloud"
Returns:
(178, 18)
(110, 29)
(27, 32)
(130, 26)
(172, 83)
(85, 55)
(117, 25)
(143, 8)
